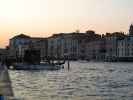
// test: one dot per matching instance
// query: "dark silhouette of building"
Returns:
(131, 30)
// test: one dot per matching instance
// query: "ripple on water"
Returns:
(85, 81)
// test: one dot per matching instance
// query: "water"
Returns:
(84, 81)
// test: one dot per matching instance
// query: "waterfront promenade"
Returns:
(5, 84)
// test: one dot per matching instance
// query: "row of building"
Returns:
(87, 46)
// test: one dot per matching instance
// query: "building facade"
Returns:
(111, 44)
(20, 43)
(63, 46)
(40, 45)
(85, 46)
(125, 48)
(17, 43)
(96, 50)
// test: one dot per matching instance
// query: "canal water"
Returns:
(84, 81)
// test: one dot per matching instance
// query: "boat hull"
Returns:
(22, 66)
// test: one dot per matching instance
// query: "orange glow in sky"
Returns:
(44, 17)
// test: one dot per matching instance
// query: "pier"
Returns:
(6, 92)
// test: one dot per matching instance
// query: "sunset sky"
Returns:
(44, 17)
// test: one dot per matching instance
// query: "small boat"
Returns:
(41, 66)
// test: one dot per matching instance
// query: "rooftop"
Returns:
(21, 36)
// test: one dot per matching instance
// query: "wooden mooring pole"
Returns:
(68, 63)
